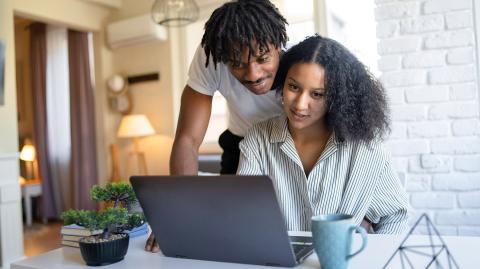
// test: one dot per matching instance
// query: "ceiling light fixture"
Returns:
(174, 12)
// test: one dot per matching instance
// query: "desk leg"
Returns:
(28, 208)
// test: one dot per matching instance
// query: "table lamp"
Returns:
(136, 126)
(27, 154)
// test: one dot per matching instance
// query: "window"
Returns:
(349, 22)
(352, 23)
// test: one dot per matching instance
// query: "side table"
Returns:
(30, 188)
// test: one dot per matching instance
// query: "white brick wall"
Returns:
(465, 91)
(428, 62)
(459, 19)
(449, 39)
(460, 56)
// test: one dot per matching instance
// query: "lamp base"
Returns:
(136, 164)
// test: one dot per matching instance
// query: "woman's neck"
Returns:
(310, 134)
(310, 143)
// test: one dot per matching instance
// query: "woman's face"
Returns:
(304, 96)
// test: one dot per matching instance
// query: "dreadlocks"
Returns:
(237, 25)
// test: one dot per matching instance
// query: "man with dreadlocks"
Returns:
(239, 57)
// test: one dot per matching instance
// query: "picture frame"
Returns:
(2, 73)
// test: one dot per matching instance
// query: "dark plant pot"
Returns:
(104, 253)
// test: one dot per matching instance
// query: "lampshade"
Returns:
(174, 12)
(27, 153)
(135, 126)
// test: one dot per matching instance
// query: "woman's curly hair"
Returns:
(236, 25)
(356, 100)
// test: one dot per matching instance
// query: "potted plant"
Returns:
(112, 244)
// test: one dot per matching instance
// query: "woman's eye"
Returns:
(318, 94)
(293, 87)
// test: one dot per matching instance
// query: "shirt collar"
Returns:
(279, 132)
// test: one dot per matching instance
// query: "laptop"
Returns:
(219, 218)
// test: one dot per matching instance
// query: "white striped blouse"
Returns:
(349, 177)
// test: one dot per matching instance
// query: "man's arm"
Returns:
(192, 125)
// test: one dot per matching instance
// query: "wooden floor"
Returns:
(40, 238)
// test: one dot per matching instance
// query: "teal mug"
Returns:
(332, 239)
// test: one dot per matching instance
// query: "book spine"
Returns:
(73, 238)
(78, 232)
(70, 243)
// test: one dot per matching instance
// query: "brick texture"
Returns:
(428, 66)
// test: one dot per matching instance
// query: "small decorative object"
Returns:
(2, 72)
(112, 244)
(174, 12)
(435, 252)
(119, 97)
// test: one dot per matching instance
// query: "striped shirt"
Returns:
(349, 177)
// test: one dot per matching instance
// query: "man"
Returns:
(239, 57)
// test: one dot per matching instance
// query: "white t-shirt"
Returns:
(245, 108)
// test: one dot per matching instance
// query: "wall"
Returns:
(24, 96)
(427, 50)
(8, 112)
(153, 98)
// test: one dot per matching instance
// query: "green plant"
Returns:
(114, 219)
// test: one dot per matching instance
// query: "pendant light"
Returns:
(174, 12)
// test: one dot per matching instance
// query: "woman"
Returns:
(323, 154)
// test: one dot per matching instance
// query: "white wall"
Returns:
(153, 98)
(427, 50)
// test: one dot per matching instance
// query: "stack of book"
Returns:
(71, 234)
(138, 231)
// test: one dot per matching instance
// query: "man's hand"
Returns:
(151, 244)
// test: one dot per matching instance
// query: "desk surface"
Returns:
(378, 251)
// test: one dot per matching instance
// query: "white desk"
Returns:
(379, 249)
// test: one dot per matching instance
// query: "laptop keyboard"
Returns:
(302, 246)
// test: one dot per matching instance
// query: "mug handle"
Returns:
(363, 233)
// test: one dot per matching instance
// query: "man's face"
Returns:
(256, 72)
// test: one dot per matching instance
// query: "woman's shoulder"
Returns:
(374, 149)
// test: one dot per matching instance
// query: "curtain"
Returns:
(82, 113)
(38, 52)
(58, 114)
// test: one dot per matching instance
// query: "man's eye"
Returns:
(236, 65)
(262, 59)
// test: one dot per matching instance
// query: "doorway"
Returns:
(38, 235)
